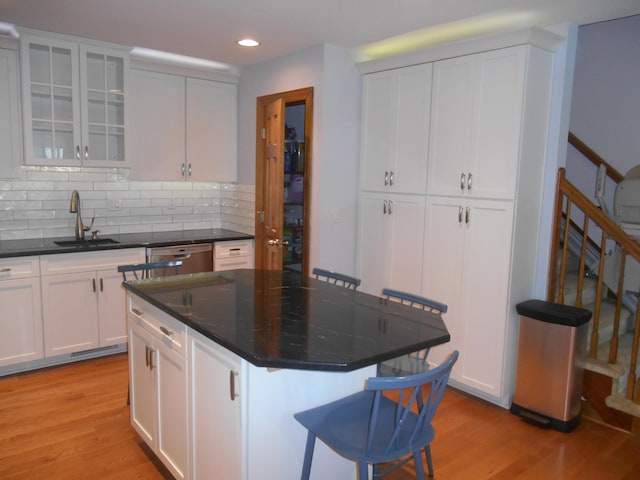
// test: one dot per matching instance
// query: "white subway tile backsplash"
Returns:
(9, 225)
(36, 205)
(177, 185)
(71, 186)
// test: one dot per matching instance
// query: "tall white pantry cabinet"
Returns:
(474, 249)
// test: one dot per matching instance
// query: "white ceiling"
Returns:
(209, 28)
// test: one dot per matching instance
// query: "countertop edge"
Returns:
(48, 247)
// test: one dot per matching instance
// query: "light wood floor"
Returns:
(72, 422)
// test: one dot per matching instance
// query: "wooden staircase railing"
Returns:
(594, 158)
(571, 205)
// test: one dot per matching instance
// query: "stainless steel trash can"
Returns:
(551, 342)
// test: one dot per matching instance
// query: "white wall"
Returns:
(605, 112)
(336, 133)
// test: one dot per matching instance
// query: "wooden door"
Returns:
(269, 193)
(270, 177)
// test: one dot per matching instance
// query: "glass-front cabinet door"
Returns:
(103, 78)
(73, 103)
(50, 102)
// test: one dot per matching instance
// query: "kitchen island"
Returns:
(219, 362)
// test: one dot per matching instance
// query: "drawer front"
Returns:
(90, 261)
(232, 249)
(163, 327)
(19, 267)
(220, 265)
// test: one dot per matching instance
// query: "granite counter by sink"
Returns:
(285, 320)
(47, 246)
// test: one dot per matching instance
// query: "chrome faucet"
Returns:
(75, 208)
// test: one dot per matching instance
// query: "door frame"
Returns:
(291, 97)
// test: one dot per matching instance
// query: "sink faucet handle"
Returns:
(94, 234)
(87, 228)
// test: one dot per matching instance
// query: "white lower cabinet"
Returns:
(215, 410)
(390, 242)
(20, 313)
(467, 266)
(83, 299)
(209, 414)
(232, 254)
(158, 382)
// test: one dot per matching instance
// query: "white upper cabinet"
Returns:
(211, 130)
(395, 139)
(157, 117)
(10, 136)
(185, 128)
(73, 102)
(476, 121)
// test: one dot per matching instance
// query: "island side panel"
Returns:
(275, 440)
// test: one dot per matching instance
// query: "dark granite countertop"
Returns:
(284, 320)
(46, 246)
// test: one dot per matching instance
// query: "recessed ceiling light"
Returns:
(248, 42)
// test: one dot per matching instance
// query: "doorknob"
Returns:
(276, 243)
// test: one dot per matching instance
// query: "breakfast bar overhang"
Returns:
(243, 350)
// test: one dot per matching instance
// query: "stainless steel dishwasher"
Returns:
(195, 258)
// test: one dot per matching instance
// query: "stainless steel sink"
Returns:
(80, 243)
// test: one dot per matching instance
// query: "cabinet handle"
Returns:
(5, 270)
(93, 281)
(183, 170)
(460, 214)
(391, 178)
(462, 178)
(189, 170)
(151, 352)
(146, 355)
(101, 285)
(78, 152)
(384, 207)
(389, 207)
(466, 216)
(469, 181)
(166, 331)
(232, 385)
(386, 178)
(86, 152)
(137, 312)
